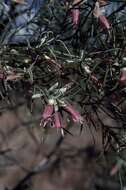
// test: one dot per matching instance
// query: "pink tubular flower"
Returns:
(75, 17)
(114, 170)
(76, 117)
(104, 22)
(123, 76)
(48, 110)
(101, 18)
(57, 120)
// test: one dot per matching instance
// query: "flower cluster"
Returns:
(52, 114)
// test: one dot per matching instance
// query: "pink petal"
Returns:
(75, 16)
(76, 117)
(57, 120)
(114, 170)
(104, 22)
(48, 110)
(123, 76)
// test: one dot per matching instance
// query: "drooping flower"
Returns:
(114, 170)
(76, 117)
(48, 110)
(47, 114)
(57, 120)
(123, 76)
(101, 18)
(104, 22)
(75, 13)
